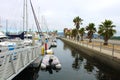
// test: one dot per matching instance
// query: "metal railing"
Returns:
(13, 62)
(112, 49)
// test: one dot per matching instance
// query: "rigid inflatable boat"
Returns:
(50, 61)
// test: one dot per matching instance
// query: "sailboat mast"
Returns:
(26, 16)
(23, 15)
(6, 26)
(0, 23)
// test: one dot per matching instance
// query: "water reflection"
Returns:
(77, 59)
(28, 74)
(50, 70)
(65, 47)
(88, 66)
(100, 71)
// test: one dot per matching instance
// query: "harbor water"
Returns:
(75, 66)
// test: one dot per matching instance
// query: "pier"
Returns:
(15, 61)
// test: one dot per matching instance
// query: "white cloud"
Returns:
(48, 13)
(96, 5)
(60, 13)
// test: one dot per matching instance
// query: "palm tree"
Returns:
(82, 32)
(91, 29)
(106, 30)
(65, 32)
(68, 34)
(77, 21)
(74, 32)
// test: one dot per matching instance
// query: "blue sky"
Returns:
(57, 14)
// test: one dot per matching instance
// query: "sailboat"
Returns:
(13, 36)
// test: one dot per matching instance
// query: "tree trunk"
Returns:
(81, 38)
(105, 42)
(77, 35)
(90, 40)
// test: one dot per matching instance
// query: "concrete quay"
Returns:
(104, 56)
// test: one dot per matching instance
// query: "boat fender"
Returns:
(58, 66)
(43, 66)
(42, 50)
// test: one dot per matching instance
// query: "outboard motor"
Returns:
(50, 66)
(50, 62)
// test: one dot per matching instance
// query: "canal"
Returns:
(75, 66)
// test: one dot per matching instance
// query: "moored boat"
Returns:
(50, 61)
(49, 51)
(53, 44)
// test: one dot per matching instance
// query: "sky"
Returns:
(59, 14)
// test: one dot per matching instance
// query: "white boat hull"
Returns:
(55, 64)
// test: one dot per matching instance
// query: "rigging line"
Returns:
(35, 18)
(45, 23)
(36, 21)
